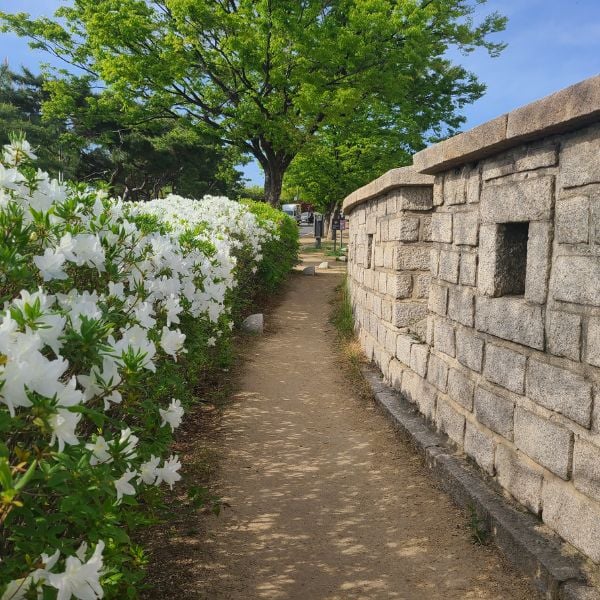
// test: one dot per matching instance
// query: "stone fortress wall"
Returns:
(475, 283)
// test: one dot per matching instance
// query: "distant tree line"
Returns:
(82, 136)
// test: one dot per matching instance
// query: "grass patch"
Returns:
(350, 354)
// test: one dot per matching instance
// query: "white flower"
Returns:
(16, 151)
(99, 382)
(169, 471)
(128, 443)
(63, 425)
(50, 264)
(17, 589)
(99, 450)
(68, 395)
(124, 488)
(172, 415)
(173, 309)
(87, 250)
(80, 579)
(172, 341)
(143, 313)
(117, 290)
(148, 469)
(211, 341)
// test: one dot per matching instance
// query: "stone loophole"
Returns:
(511, 259)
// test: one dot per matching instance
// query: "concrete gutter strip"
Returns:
(518, 534)
(563, 111)
(394, 178)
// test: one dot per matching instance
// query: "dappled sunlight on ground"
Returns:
(325, 501)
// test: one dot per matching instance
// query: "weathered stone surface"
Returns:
(579, 158)
(443, 335)
(573, 517)
(448, 267)
(419, 354)
(434, 262)
(403, 176)
(324, 265)
(253, 323)
(592, 353)
(500, 166)
(461, 305)
(441, 227)
(511, 319)
(399, 285)
(451, 422)
(495, 412)
(547, 443)
(573, 220)
(473, 187)
(505, 367)
(309, 270)
(469, 349)
(438, 190)
(404, 228)
(480, 446)
(371, 226)
(421, 283)
(466, 228)
(560, 390)
(519, 478)
(586, 468)
(577, 590)
(525, 200)
(438, 299)
(406, 313)
(462, 148)
(437, 372)
(488, 243)
(576, 279)
(563, 333)
(403, 346)
(426, 233)
(414, 198)
(455, 186)
(538, 262)
(468, 269)
(395, 371)
(460, 388)
(412, 257)
(537, 156)
(419, 392)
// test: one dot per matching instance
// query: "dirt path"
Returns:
(326, 501)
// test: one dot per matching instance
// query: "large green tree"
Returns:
(341, 158)
(267, 75)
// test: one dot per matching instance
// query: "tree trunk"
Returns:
(273, 184)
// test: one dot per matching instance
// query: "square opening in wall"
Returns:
(511, 259)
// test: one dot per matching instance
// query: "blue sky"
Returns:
(551, 44)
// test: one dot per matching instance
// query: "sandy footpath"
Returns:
(326, 502)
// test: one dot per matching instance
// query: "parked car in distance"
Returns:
(292, 210)
(306, 217)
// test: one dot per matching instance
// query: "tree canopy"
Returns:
(83, 136)
(266, 76)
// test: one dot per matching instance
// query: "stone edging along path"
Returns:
(519, 535)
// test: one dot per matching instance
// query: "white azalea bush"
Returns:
(109, 314)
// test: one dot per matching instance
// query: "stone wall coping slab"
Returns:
(570, 108)
(394, 178)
